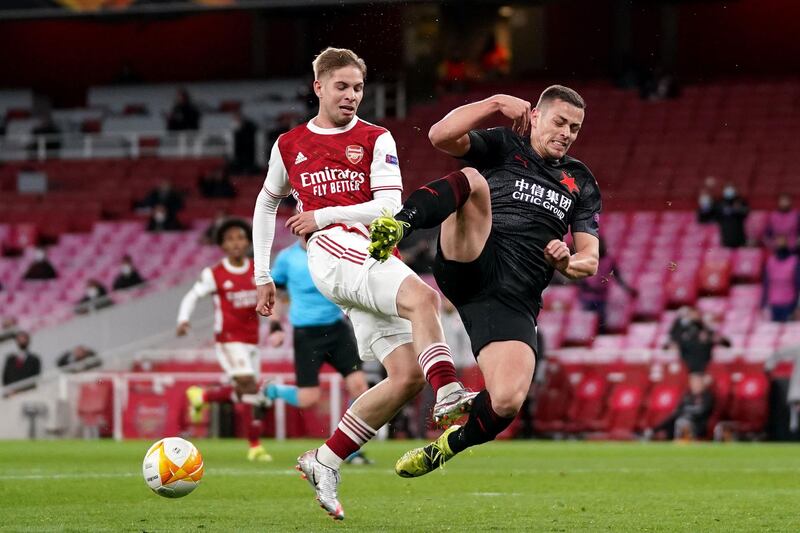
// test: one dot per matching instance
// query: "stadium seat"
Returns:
(587, 405)
(622, 415)
(94, 409)
(660, 404)
(748, 409)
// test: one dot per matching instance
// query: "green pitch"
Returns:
(508, 486)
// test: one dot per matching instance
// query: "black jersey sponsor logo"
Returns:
(544, 197)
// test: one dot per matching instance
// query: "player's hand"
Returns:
(517, 109)
(183, 329)
(557, 254)
(276, 338)
(266, 299)
(302, 223)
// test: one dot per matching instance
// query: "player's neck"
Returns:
(324, 122)
(236, 261)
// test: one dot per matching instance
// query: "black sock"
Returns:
(482, 426)
(430, 205)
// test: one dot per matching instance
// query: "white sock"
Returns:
(448, 389)
(326, 456)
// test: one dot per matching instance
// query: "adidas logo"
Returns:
(228, 285)
(300, 158)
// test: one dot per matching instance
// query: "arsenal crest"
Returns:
(354, 153)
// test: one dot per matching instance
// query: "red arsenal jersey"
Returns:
(234, 290)
(330, 167)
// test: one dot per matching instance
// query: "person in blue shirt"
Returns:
(321, 333)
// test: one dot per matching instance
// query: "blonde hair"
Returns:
(332, 59)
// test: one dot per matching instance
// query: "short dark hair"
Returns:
(230, 224)
(560, 92)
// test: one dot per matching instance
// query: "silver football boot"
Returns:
(452, 407)
(325, 481)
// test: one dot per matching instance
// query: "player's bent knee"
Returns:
(411, 383)
(508, 403)
(428, 298)
(477, 183)
(246, 385)
(307, 397)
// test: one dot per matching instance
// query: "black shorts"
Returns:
(484, 302)
(314, 345)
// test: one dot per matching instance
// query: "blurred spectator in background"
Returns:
(286, 121)
(95, 298)
(690, 420)
(731, 212)
(793, 394)
(593, 291)
(8, 328)
(160, 220)
(454, 73)
(781, 281)
(705, 208)
(494, 59)
(184, 114)
(78, 359)
(783, 222)
(23, 363)
(164, 195)
(216, 184)
(128, 275)
(41, 268)
(244, 146)
(694, 339)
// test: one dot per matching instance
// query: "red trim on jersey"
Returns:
(340, 252)
(346, 228)
(272, 194)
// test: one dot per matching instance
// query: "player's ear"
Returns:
(318, 88)
(534, 116)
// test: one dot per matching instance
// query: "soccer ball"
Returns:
(172, 467)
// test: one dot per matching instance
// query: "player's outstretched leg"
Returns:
(199, 398)
(427, 207)
(420, 304)
(359, 424)
(508, 370)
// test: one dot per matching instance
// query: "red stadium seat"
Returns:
(587, 404)
(622, 415)
(661, 403)
(748, 409)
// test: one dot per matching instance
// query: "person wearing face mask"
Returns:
(781, 281)
(128, 275)
(41, 268)
(161, 220)
(21, 364)
(95, 298)
(783, 222)
(705, 208)
(731, 212)
(695, 340)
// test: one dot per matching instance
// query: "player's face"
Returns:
(340, 93)
(235, 243)
(554, 127)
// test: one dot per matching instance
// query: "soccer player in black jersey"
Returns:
(503, 219)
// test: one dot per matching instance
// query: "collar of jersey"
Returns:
(236, 270)
(331, 131)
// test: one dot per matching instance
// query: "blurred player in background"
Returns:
(344, 173)
(501, 238)
(232, 283)
(320, 334)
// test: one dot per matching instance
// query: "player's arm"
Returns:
(385, 183)
(202, 288)
(581, 264)
(276, 187)
(451, 134)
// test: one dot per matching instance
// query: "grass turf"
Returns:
(506, 486)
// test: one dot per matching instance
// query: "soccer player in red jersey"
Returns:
(344, 173)
(232, 283)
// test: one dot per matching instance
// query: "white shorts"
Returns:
(364, 288)
(239, 359)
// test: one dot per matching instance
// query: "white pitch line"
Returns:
(222, 472)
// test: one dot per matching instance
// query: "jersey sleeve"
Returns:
(276, 183)
(486, 147)
(280, 269)
(206, 284)
(385, 169)
(586, 218)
